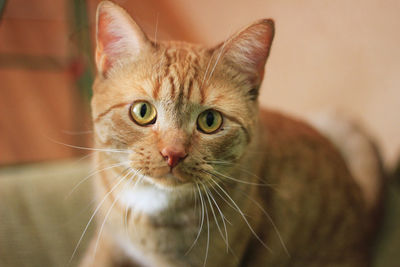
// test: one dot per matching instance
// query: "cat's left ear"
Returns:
(117, 36)
(248, 49)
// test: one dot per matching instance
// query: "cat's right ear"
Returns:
(248, 50)
(117, 36)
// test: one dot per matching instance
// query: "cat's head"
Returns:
(174, 112)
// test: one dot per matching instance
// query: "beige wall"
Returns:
(327, 54)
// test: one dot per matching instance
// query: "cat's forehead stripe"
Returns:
(156, 88)
(101, 115)
(178, 70)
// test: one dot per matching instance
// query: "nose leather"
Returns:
(173, 155)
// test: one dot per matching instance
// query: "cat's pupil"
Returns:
(210, 119)
(143, 110)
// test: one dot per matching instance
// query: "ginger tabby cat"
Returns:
(192, 173)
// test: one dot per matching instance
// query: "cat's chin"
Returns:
(167, 180)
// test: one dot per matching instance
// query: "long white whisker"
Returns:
(208, 236)
(139, 179)
(126, 218)
(92, 149)
(195, 199)
(94, 214)
(217, 60)
(222, 197)
(215, 173)
(202, 220)
(224, 162)
(127, 206)
(110, 209)
(158, 72)
(242, 214)
(215, 219)
(272, 223)
(94, 173)
(221, 162)
(76, 133)
(242, 169)
(222, 218)
(206, 72)
(83, 157)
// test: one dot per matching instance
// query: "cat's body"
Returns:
(261, 190)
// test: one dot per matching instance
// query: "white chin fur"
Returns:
(146, 198)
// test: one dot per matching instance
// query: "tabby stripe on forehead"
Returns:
(109, 109)
(189, 93)
(156, 89)
(181, 94)
(203, 95)
(171, 82)
(167, 69)
(167, 64)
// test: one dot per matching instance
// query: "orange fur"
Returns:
(267, 190)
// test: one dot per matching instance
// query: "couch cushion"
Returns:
(39, 223)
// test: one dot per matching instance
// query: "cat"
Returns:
(193, 173)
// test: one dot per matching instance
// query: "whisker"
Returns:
(92, 149)
(202, 220)
(223, 218)
(95, 212)
(224, 162)
(156, 30)
(217, 60)
(215, 219)
(83, 157)
(223, 221)
(158, 71)
(127, 208)
(221, 196)
(242, 214)
(92, 174)
(77, 133)
(208, 236)
(126, 214)
(206, 72)
(216, 173)
(195, 201)
(110, 209)
(271, 221)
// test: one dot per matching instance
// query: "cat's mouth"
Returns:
(167, 176)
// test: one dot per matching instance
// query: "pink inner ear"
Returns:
(105, 39)
(260, 54)
(249, 49)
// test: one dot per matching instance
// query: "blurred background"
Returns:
(326, 54)
(341, 54)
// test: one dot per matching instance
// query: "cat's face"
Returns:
(178, 113)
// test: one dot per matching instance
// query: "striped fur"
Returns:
(263, 190)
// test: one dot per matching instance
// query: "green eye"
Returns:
(209, 121)
(143, 113)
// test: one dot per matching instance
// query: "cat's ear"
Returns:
(117, 36)
(248, 49)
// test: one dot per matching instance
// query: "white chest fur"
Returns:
(146, 198)
(162, 206)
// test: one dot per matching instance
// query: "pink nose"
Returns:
(173, 155)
